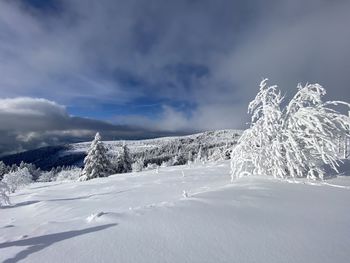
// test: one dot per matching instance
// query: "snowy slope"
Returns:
(143, 217)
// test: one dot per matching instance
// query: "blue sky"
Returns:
(159, 66)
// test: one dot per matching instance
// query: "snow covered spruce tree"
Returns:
(199, 157)
(190, 157)
(4, 194)
(138, 165)
(3, 169)
(96, 163)
(294, 141)
(124, 161)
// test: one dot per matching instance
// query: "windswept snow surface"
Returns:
(146, 217)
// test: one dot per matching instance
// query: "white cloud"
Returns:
(25, 106)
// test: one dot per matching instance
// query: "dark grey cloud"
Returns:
(91, 45)
(211, 54)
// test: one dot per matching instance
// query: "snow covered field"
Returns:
(146, 217)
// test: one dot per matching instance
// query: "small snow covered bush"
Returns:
(69, 175)
(4, 194)
(151, 166)
(47, 177)
(167, 163)
(219, 154)
(291, 141)
(137, 166)
(17, 179)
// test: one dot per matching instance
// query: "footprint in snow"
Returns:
(8, 226)
(103, 217)
(94, 216)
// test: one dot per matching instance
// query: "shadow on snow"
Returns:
(60, 199)
(36, 244)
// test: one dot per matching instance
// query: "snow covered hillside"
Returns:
(180, 214)
(159, 149)
(152, 150)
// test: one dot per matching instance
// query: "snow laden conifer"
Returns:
(96, 163)
(294, 141)
(3, 169)
(124, 161)
(4, 194)
(190, 158)
(199, 157)
(138, 165)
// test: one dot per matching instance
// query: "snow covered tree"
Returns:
(17, 179)
(124, 161)
(4, 194)
(167, 163)
(217, 154)
(68, 174)
(138, 165)
(96, 163)
(344, 141)
(13, 168)
(127, 161)
(47, 176)
(251, 154)
(175, 160)
(199, 155)
(295, 141)
(35, 172)
(319, 123)
(202, 155)
(178, 159)
(151, 166)
(3, 169)
(190, 157)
